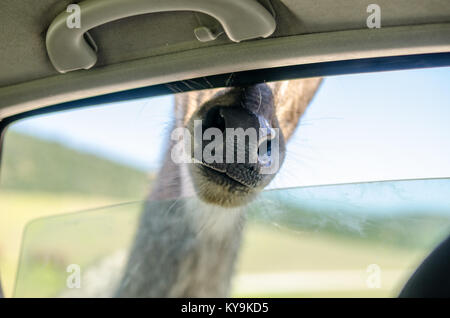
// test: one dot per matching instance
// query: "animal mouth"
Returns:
(223, 175)
(220, 188)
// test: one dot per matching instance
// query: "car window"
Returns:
(359, 201)
(349, 240)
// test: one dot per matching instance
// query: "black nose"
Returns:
(258, 150)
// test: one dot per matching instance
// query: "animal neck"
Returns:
(183, 247)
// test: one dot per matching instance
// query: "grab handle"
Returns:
(71, 49)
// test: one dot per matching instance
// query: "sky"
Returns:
(364, 127)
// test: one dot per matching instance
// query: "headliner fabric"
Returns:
(24, 23)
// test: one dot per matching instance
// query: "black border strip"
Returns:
(267, 307)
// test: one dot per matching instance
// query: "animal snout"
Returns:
(246, 137)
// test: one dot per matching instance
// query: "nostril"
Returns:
(214, 119)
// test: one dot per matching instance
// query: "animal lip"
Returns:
(224, 174)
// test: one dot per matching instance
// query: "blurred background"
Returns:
(302, 240)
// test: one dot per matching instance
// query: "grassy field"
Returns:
(274, 261)
(282, 263)
(20, 208)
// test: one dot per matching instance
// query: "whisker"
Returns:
(208, 82)
(260, 98)
(187, 85)
(200, 85)
(174, 88)
(228, 82)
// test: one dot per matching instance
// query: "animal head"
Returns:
(238, 136)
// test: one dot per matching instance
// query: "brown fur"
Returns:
(186, 247)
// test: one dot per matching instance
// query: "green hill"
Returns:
(32, 164)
